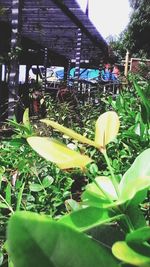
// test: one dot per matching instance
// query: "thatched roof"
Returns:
(53, 24)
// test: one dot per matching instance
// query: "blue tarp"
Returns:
(86, 74)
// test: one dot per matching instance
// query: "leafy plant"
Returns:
(105, 200)
(27, 181)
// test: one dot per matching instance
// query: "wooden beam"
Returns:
(99, 42)
(14, 64)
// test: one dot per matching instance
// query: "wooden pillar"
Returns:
(37, 73)
(68, 72)
(126, 64)
(78, 57)
(44, 73)
(0, 73)
(28, 66)
(14, 64)
(65, 73)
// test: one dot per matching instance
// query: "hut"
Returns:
(46, 32)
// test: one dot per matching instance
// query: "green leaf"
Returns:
(140, 235)
(69, 132)
(36, 187)
(72, 205)
(143, 97)
(136, 178)
(108, 233)
(35, 240)
(47, 181)
(8, 193)
(106, 184)
(2, 171)
(3, 206)
(89, 198)
(17, 142)
(137, 240)
(1, 258)
(87, 218)
(94, 196)
(136, 215)
(144, 115)
(19, 128)
(26, 120)
(124, 253)
(58, 153)
(19, 198)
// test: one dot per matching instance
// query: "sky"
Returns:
(110, 17)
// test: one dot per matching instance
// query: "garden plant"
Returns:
(65, 241)
(109, 224)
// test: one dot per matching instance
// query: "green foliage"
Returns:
(48, 243)
(136, 35)
(135, 249)
(105, 200)
(36, 228)
(135, 38)
(41, 192)
(109, 203)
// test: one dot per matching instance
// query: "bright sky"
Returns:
(109, 16)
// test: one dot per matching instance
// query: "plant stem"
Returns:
(9, 207)
(129, 223)
(114, 181)
(45, 193)
(19, 199)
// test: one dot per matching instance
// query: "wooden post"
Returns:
(65, 73)
(44, 73)
(0, 73)
(28, 66)
(68, 72)
(78, 57)
(14, 64)
(126, 64)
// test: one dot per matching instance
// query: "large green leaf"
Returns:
(87, 218)
(124, 253)
(35, 240)
(136, 178)
(58, 153)
(69, 132)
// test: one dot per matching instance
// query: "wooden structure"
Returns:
(35, 25)
(54, 24)
(136, 64)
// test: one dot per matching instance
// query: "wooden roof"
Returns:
(53, 24)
